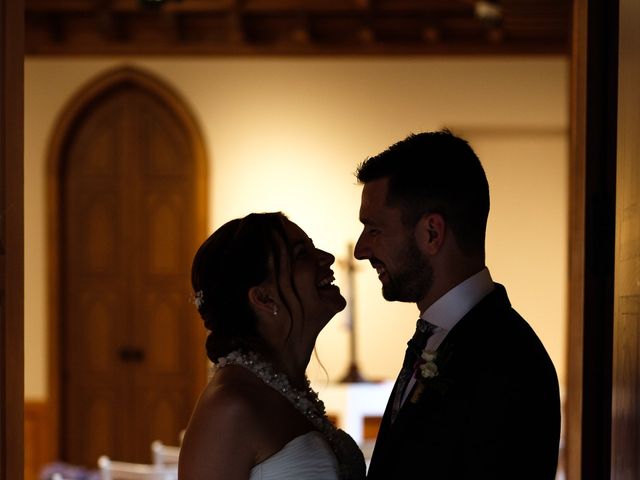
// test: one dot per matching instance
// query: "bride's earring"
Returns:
(275, 310)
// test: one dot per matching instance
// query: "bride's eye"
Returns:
(299, 251)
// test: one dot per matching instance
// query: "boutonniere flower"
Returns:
(428, 373)
(428, 367)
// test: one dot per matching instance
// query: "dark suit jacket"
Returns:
(492, 412)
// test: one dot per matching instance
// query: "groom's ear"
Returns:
(430, 233)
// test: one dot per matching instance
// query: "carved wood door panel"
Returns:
(132, 355)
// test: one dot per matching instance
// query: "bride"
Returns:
(264, 292)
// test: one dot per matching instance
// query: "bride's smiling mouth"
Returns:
(327, 281)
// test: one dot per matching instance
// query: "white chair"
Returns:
(164, 454)
(59, 476)
(110, 470)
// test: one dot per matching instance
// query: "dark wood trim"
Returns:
(600, 236)
(290, 48)
(63, 126)
(593, 176)
(36, 448)
(573, 402)
(295, 27)
(11, 240)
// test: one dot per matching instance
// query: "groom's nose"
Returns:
(362, 251)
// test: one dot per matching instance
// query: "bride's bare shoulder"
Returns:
(232, 392)
(224, 435)
(228, 412)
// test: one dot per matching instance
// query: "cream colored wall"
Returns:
(287, 134)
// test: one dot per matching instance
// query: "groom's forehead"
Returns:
(374, 194)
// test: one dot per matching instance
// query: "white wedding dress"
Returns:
(307, 457)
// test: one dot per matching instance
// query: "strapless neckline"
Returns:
(307, 456)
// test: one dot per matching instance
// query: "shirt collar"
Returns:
(456, 303)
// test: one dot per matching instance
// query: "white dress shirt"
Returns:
(449, 309)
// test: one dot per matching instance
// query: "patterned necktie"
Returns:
(415, 346)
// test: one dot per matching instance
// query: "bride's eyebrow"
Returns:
(301, 244)
(298, 245)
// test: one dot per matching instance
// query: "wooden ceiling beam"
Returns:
(296, 27)
(264, 6)
(236, 22)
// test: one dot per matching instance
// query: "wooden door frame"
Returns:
(592, 238)
(64, 125)
(11, 240)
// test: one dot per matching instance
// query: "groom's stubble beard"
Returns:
(412, 278)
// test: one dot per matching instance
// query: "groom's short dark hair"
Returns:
(435, 172)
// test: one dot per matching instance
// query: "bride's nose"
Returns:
(325, 258)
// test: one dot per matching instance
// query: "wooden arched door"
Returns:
(131, 214)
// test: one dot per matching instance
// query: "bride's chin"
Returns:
(334, 309)
(332, 298)
(340, 305)
(336, 300)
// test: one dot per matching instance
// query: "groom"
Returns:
(477, 395)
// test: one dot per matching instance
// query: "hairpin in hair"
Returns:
(198, 298)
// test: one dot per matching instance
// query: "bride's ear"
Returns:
(262, 300)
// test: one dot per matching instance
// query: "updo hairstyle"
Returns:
(236, 257)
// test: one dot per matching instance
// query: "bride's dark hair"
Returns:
(233, 259)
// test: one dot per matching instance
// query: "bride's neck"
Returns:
(293, 365)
